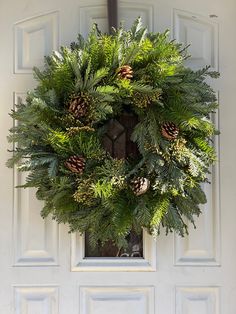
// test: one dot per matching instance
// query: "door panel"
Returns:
(34, 38)
(204, 300)
(99, 300)
(43, 268)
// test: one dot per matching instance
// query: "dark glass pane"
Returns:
(117, 139)
(134, 248)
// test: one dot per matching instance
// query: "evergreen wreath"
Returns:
(62, 124)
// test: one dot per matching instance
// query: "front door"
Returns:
(43, 269)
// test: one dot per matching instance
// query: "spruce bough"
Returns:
(60, 129)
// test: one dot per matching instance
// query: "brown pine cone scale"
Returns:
(78, 106)
(140, 185)
(75, 164)
(125, 72)
(169, 130)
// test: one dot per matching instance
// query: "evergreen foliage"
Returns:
(161, 89)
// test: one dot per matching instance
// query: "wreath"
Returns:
(84, 94)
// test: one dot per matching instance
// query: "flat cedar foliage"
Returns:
(160, 90)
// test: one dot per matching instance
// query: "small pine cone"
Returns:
(78, 106)
(140, 185)
(169, 130)
(75, 164)
(125, 72)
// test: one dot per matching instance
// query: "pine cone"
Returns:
(140, 185)
(125, 72)
(169, 130)
(78, 106)
(75, 164)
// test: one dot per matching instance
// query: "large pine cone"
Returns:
(125, 72)
(169, 130)
(78, 106)
(140, 185)
(75, 164)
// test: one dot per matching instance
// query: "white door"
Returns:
(42, 267)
